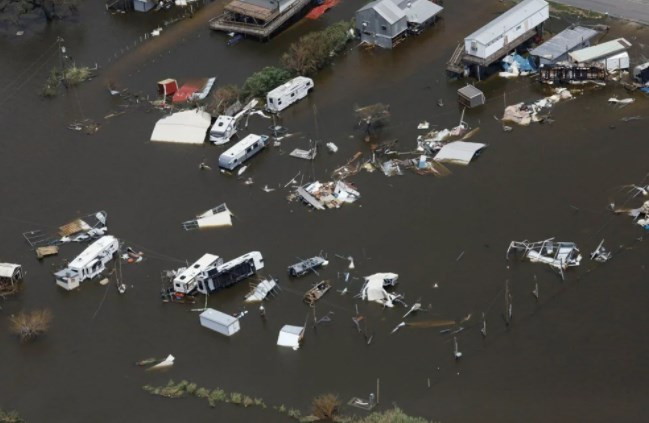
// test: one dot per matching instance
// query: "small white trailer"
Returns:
(242, 151)
(89, 264)
(219, 322)
(285, 95)
(290, 336)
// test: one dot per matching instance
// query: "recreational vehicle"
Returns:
(226, 274)
(90, 263)
(285, 95)
(223, 129)
(242, 151)
(186, 279)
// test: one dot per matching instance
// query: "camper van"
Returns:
(242, 151)
(223, 129)
(90, 263)
(285, 95)
(229, 273)
(186, 279)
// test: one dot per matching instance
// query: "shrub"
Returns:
(316, 49)
(31, 325)
(394, 415)
(10, 417)
(259, 83)
(325, 406)
(223, 98)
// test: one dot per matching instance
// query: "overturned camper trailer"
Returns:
(231, 272)
(558, 254)
(209, 274)
(242, 151)
(286, 94)
(89, 264)
(223, 129)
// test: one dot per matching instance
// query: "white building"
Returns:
(612, 54)
(219, 322)
(556, 49)
(186, 127)
(507, 31)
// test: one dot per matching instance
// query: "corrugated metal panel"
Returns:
(601, 50)
(508, 20)
(390, 12)
(563, 42)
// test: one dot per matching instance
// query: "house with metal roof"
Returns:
(385, 22)
(556, 49)
(612, 55)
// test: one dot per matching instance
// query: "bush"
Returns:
(223, 98)
(31, 325)
(391, 416)
(325, 406)
(315, 50)
(259, 83)
(10, 417)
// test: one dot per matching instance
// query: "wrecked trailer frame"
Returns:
(559, 255)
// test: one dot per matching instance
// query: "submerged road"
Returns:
(633, 10)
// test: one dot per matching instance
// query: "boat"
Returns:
(315, 293)
(304, 266)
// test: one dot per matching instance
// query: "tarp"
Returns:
(187, 127)
(460, 152)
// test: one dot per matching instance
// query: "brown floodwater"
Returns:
(578, 354)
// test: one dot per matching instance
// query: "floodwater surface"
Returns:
(577, 354)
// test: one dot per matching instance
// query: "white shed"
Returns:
(10, 274)
(186, 127)
(290, 336)
(612, 54)
(507, 28)
(219, 322)
(459, 152)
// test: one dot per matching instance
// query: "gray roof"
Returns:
(416, 11)
(470, 91)
(600, 50)
(563, 42)
(508, 20)
(419, 11)
(386, 8)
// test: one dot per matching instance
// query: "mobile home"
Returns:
(227, 274)
(219, 322)
(186, 279)
(242, 151)
(223, 129)
(612, 55)
(89, 264)
(507, 31)
(285, 95)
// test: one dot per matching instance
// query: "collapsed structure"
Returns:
(89, 264)
(374, 288)
(556, 49)
(557, 254)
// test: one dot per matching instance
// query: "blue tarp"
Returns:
(524, 64)
(645, 90)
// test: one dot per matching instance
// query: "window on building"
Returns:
(384, 27)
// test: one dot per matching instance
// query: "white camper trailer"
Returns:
(223, 129)
(219, 322)
(229, 273)
(186, 280)
(285, 95)
(90, 263)
(242, 151)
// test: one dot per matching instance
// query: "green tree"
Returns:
(259, 83)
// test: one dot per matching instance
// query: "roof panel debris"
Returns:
(559, 255)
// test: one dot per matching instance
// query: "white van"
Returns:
(242, 151)
(285, 95)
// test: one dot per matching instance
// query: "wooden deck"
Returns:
(226, 23)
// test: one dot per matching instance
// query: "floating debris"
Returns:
(559, 255)
(167, 362)
(261, 291)
(328, 195)
(374, 288)
(305, 266)
(333, 148)
(601, 254)
(219, 216)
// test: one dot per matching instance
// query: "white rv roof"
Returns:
(90, 253)
(508, 20)
(192, 271)
(600, 50)
(459, 152)
(253, 254)
(218, 317)
(187, 127)
(241, 146)
(284, 88)
(222, 121)
(7, 269)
